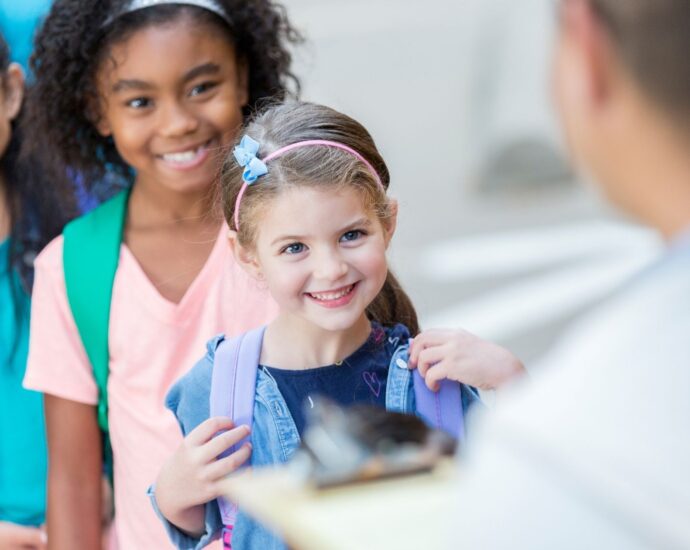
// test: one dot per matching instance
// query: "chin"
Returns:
(334, 325)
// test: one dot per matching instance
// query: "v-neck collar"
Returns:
(170, 310)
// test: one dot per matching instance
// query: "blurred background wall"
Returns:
(496, 235)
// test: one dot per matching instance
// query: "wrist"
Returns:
(513, 368)
(188, 519)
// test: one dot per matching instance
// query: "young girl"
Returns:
(26, 224)
(153, 90)
(311, 221)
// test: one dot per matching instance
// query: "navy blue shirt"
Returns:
(360, 378)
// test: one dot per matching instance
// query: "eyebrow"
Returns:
(142, 85)
(361, 222)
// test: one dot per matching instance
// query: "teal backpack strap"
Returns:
(91, 251)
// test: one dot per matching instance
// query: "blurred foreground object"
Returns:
(362, 515)
(338, 490)
(364, 443)
(365, 515)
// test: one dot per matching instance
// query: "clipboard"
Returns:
(403, 513)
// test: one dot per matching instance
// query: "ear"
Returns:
(587, 34)
(100, 122)
(244, 256)
(392, 221)
(14, 90)
(243, 81)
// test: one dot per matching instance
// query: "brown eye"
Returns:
(201, 88)
(139, 103)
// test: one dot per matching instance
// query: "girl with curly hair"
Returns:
(154, 91)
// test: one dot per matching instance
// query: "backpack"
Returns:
(91, 251)
(233, 387)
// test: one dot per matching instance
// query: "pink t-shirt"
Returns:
(153, 342)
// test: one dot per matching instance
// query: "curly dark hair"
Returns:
(76, 38)
(36, 216)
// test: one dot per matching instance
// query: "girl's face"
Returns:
(171, 98)
(322, 255)
(11, 95)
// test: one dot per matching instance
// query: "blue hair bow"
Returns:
(245, 154)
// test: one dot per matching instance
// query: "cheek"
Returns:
(374, 264)
(226, 114)
(129, 136)
(284, 280)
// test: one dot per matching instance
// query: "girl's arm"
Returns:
(461, 356)
(74, 475)
(192, 476)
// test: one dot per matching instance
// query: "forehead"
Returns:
(312, 211)
(166, 51)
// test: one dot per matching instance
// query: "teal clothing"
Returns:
(19, 20)
(23, 453)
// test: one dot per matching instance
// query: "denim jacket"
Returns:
(274, 437)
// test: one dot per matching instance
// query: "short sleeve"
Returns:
(57, 362)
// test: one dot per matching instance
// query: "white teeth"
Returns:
(326, 296)
(184, 156)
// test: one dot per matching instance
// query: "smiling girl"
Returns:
(154, 91)
(306, 193)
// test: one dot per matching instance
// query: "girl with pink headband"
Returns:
(311, 221)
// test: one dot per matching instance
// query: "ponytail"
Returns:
(392, 305)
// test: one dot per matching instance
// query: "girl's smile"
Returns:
(322, 254)
(170, 114)
(334, 298)
(187, 158)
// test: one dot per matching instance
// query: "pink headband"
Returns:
(254, 167)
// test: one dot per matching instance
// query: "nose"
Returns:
(330, 266)
(177, 120)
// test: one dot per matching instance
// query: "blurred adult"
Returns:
(595, 452)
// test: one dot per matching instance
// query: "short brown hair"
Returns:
(653, 40)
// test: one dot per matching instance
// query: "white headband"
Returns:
(136, 5)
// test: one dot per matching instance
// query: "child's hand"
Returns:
(192, 476)
(19, 537)
(464, 357)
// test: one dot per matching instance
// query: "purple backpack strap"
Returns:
(233, 387)
(442, 409)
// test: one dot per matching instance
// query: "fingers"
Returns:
(205, 431)
(429, 357)
(427, 339)
(435, 375)
(224, 441)
(225, 466)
